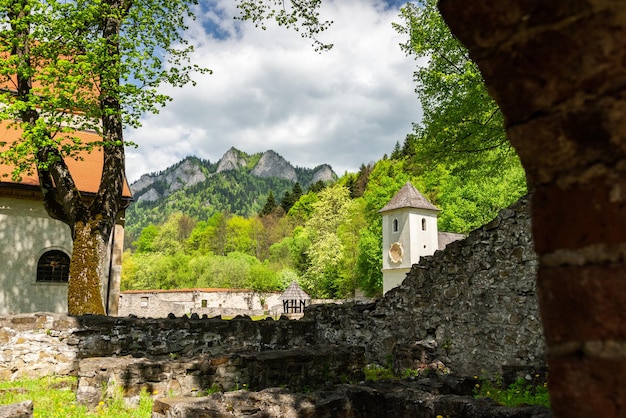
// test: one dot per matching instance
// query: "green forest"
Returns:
(328, 237)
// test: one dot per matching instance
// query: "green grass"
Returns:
(253, 317)
(54, 397)
(519, 393)
(374, 372)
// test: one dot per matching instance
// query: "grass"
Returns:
(55, 397)
(374, 372)
(519, 393)
(253, 317)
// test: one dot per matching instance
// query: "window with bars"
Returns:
(53, 267)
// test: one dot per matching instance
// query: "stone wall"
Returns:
(212, 302)
(557, 71)
(42, 343)
(473, 306)
(209, 302)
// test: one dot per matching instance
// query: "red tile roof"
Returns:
(86, 172)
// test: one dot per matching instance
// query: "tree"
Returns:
(85, 65)
(326, 249)
(270, 205)
(462, 126)
(396, 154)
(290, 14)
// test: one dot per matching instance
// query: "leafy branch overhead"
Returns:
(70, 66)
(300, 15)
(462, 125)
(73, 75)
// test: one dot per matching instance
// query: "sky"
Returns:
(271, 90)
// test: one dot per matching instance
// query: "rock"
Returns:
(323, 173)
(373, 400)
(273, 165)
(17, 410)
(231, 160)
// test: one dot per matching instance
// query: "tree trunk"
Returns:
(90, 221)
(88, 263)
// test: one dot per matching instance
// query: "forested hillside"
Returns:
(329, 237)
(237, 184)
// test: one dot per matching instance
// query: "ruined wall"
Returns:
(475, 301)
(43, 344)
(212, 302)
(472, 306)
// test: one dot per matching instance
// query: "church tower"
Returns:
(409, 232)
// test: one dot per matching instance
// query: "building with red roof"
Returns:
(36, 249)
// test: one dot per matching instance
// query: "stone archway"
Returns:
(558, 71)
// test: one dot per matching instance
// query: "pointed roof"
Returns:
(294, 292)
(408, 197)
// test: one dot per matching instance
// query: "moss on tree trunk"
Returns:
(87, 263)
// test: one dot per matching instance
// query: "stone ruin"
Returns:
(470, 310)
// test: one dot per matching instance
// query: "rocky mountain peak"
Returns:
(151, 187)
(323, 173)
(231, 160)
(273, 165)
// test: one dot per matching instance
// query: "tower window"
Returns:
(53, 267)
(423, 224)
(395, 225)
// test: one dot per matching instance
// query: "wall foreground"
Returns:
(472, 307)
(558, 72)
(475, 303)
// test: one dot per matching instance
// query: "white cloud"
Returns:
(271, 90)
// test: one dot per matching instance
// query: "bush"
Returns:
(519, 393)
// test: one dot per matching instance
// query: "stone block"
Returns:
(583, 303)
(17, 410)
(567, 218)
(597, 381)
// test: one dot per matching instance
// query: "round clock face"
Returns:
(395, 252)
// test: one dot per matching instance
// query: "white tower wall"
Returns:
(416, 234)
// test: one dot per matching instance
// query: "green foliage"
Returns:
(232, 192)
(54, 397)
(521, 392)
(462, 125)
(301, 14)
(472, 201)
(290, 198)
(73, 64)
(146, 241)
(270, 205)
(374, 372)
(326, 250)
(303, 208)
(183, 271)
(370, 261)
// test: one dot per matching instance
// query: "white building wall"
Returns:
(160, 303)
(393, 278)
(26, 232)
(423, 242)
(416, 241)
(390, 236)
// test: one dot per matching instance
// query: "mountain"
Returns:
(238, 183)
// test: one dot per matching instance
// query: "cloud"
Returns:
(270, 90)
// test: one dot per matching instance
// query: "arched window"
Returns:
(53, 267)
(423, 224)
(395, 225)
